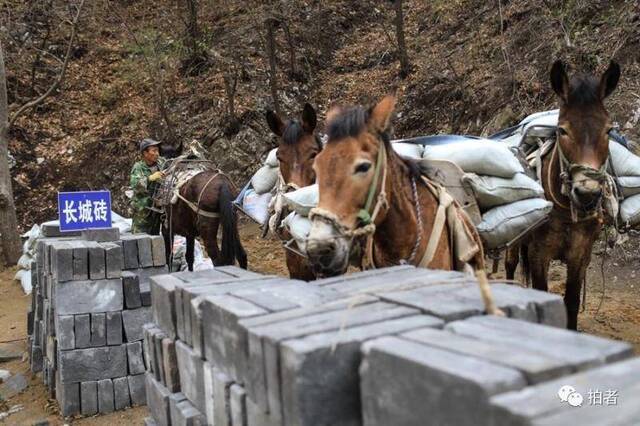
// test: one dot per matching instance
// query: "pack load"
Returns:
(493, 191)
(256, 206)
(630, 211)
(299, 227)
(303, 199)
(409, 150)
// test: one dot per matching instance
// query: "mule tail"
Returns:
(232, 249)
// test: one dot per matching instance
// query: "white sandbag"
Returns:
(25, 280)
(624, 162)
(503, 224)
(482, 156)
(303, 199)
(272, 159)
(256, 206)
(411, 150)
(265, 179)
(630, 210)
(630, 185)
(491, 191)
(299, 228)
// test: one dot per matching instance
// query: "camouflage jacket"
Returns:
(143, 189)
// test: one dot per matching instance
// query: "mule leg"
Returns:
(511, 260)
(299, 268)
(209, 233)
(578, 259)
(168, 246)
(538, 268)
(189, 255)
(575, 279)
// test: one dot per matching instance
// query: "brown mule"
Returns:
(297, 149)
(204, 204)
(409, 222)
(574, 179)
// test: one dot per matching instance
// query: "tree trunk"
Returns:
(11, 246)
(293, 72)
(271, 53)
(405, 67)
(192, 31)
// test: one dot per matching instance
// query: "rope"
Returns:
(414, 252)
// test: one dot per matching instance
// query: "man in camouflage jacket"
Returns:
(145, 178)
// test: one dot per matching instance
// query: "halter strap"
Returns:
(365, 214)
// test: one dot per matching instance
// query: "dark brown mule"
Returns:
(573, 179)
(356, 167)
(297, 148)
(209, 196)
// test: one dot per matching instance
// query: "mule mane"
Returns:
(348, 124)
(584, 90)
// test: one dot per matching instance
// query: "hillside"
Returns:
(476, 67)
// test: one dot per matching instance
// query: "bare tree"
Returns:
(11, 247)
(196, 56)
(270, 24)
(405, 66)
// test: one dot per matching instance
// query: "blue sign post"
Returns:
(78, 211)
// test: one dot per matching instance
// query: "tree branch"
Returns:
(56, 83)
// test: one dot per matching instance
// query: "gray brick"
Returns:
(188, 415)
(36, 359)
(98, 330)
(83, 365)
(62, 260)
(158, 250)
(158, 401)
(89, 398)
(578, 350)
(135, 358)
(137, 390)
(221, 403)
(540, 404)
(80, 263)
(121, 393)
(191, 376)
(174, 400)
(130, 251)
(97, 261)
(133, 320)
(535, 366)
(131, 288)
(209, 408)
(158, 337)
(82, 331)
(113, 259)
(114, 328)
(404, 382)
(65, 333)
(101, 235)
(163, 303)
(82, 297)
(170, 365)
(145, 256)
(145, 293)
(68, 396)
(52, 229)
(106, 402)
(237, 397)
(323, 367)
(344, 280)
(148, 349)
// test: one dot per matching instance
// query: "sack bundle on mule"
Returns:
(535, 136)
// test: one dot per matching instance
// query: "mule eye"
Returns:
(562, 132)
(362, 168)
(313, 155)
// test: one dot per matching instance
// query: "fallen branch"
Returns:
(56, 83)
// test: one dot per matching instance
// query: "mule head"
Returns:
(297, 147)
(583, 128)
(346, 175)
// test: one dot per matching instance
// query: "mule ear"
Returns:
(333, 112)
(275, 124)
(380, 114)
(609, 79)
(309, 119)
(560, 80)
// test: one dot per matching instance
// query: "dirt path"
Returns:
(618, 318)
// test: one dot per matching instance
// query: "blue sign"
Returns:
(84, 210)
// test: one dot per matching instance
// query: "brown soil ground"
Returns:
(617, 318)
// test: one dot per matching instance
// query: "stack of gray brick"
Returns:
(89, 304)
(491, 371)
(244, 349)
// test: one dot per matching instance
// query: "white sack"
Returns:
(410, 150)
(630, 210)
(630, 185)
(624, 162)
(256, 206)
(265, 179)
(122, 223)
(502, 224)
(272, 159)
(483, 156)
(299, 228)
(491, 191)
(24, 277)
(303, 199)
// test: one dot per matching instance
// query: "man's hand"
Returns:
(155, 176)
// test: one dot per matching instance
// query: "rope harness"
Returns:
(196, 207)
